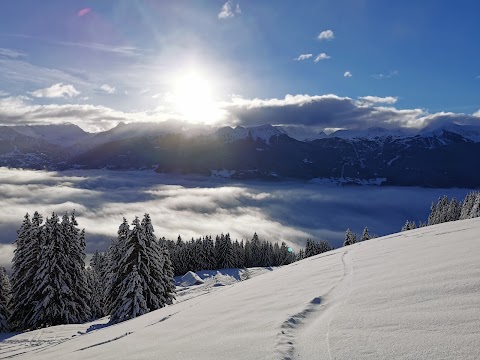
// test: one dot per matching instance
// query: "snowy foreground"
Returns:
(411, 295)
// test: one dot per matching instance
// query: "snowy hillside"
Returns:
(301, 133)
(370, 133)
(411, 295)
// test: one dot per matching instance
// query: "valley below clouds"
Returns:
(194, 206)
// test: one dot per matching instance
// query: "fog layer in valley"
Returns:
(197, 206)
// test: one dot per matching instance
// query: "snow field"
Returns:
(411, 295)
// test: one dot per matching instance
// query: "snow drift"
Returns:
(411, 295)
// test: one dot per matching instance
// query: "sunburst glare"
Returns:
(193, 97)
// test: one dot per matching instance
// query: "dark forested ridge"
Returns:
(444, 158)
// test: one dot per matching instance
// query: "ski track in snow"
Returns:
(306, 335)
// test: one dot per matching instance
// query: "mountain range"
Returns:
(441, 156)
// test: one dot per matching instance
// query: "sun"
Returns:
(193, 97)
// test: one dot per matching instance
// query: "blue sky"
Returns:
(95, 63)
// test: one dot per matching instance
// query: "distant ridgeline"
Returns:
(434, 158)
(51, 286)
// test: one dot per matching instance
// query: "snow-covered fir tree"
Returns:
(113, 275)
(314, 248)
(132, 302)
(467, 205)
(25, 266)
(77, 275)
(53, 288)
(142, 252)
(365, 234)
(96, 274)
(350, 238)
(255, 249)
(161, 274)
(5, 293)
(409, 225)
(225, 253)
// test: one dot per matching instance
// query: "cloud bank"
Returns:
(332, 111)
(197, 206)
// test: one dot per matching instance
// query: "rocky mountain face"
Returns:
(441, 157)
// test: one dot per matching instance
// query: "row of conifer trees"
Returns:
(51, 286)
(446, 210)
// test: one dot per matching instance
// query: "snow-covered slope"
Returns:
(411, 295)
(370, 133)
(469, 132)
(301, 133)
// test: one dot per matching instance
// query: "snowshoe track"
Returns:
(305, 335)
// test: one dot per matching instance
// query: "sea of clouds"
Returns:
(197, 206)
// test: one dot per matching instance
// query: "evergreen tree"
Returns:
(310, 248)
(225, 254)
(96, 275)
(475, 210)
(113, 272)
(76, 272)
(132, 302)
(266, 254)
(209, 253)
(142, 253)
(350, 238)
(314, 248)
(454, 210)
(25, 267)
(255, 251)
(365, 235)
(300, 255)
(248, 254)
(5, 292)
(53, 290)
(409, 225)
(467, 205)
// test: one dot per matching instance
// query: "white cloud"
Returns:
(389, 75)
(19, 110)
(3, 93)
(303, 57)
(108, 89)
(321, 57)
(347, 74)
(229, 10)
(56, 91)
(477, 114)
(11, 53)
(379, 100)
(326, 35)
